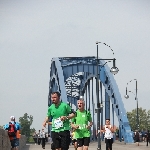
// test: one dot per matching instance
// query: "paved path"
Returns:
(93, 146)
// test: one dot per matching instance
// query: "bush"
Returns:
(30, 139)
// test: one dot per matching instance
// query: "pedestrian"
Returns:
(18, 135)
(108, 130)
(82, 124)
(39, 137)
(43, 135)
(13, 129)
(35, 137)
(148, 138)
(137, 137)
(61, 113)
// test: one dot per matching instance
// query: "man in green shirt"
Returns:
(61, 113)
(82, 124)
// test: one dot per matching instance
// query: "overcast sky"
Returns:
(33, 32)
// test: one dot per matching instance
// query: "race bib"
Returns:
(58, 123)
(82, 126)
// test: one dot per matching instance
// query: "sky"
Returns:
(33, 32)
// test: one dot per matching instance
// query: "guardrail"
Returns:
(5, 142)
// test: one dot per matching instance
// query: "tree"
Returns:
(144, 119)
(26, 122)
(1, 127)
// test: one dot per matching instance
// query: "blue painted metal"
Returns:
(107, 106)
(71, 75)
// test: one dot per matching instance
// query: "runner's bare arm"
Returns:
(103, 129)
(111, 129)
(46, 121)
(90, 125)
(49, 123)
(74, 126)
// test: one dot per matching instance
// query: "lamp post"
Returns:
(137, 111)
(114, 70)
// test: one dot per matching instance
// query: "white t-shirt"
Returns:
(108, 133)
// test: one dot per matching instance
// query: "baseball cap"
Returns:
(12, 117)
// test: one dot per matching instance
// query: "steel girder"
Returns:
(67, 73)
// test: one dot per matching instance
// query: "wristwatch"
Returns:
(67, 118)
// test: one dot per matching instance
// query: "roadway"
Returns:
(93, 146)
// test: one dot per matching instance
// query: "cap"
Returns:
(12, 117)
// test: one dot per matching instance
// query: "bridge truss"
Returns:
(75, 76)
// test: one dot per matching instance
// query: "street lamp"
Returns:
(127, 96)
(114, 70)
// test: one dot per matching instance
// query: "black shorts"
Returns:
(83, 141)
(13, 143)
(109, 141)
(61, 139)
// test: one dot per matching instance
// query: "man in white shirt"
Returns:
(108, 130)
(42, 134)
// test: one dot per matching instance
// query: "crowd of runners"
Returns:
(64, 119)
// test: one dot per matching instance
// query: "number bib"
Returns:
(82, 126)
(58, 123)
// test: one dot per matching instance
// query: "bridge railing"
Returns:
(5, 142)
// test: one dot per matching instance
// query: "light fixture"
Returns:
(114, 70)
(126, 96)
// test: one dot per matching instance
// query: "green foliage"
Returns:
(144, 119)
(1, 127)
(26, 122)
(30, 140)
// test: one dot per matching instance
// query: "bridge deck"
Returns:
(93, 146)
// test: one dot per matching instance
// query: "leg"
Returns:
(86, 143)
(107, 144)
(56, 140)
(65, 139)
(43, 143)
(17, 143)
(80, 144)
(12, 144)
(75, 145)
(110, 143)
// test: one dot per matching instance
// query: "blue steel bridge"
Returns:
(76, 76)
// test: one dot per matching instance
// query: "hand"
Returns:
(76, 127)
(88, 127)
(63, 118)
(44, 124)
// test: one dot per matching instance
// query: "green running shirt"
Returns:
(55, 112)
(82, 119)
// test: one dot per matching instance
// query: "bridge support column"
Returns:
(107, 106)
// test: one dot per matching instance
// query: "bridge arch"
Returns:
(64, 68)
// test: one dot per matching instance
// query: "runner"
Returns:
(82, 124)
(108, 129)
(61, 113)
(74, 140)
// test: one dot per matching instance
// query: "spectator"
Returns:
(39, 138)
(35, 137)
(137, 137)
(43, 135)
(148, 138)
(13, 129)
(18, 135)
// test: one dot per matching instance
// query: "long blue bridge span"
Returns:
(76, 76)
